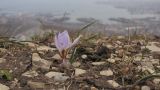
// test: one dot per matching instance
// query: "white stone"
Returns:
(113, 83)
(57, 57)
(156, 81)
(57, 76)
(145, 88)
(2, 60)
(76, 64)
(38, 62)
(3, 87)
(45, 48)
(98, 63)
(79, 71)
(111, 60)
(108, 72)
(36, 85)
(84, 56)
(30, 74)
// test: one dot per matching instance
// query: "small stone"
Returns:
(76, 64)
(57, 57)
(30, 44)
(113, 83)
(98, 63)
(4, 87)
(109, 46)
(36, 85)
(145, 88)
(45, 48)
(38, 62)
(111, 60)
(30, 74)
(108, 72)
(2, 60)
(156, 81)
(79, 71)
(155, 61)
(57, 76)
(84, 56)
(94, 88)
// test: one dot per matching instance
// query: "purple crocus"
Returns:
(63, 44)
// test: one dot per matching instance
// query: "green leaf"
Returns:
(5, 74)
(73, 56)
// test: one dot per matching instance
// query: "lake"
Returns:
(75, 8)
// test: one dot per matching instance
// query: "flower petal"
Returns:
(64, 40)
(76, 41)
(57, 43)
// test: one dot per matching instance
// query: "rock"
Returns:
(152, 47)
(30, 74)
(84, 56)
(156, 55)
(155, 61)
(113, 83)
(45, 48)
(4, 87)
(79, 71)
(57, 57)
(156, 81)
(98, 63)
(2, 60)
(111, 60)
(76, 64)
(60, 77)
(30, 44)
(38, 62)
(93, 88)
(106, 72)
(36, 85)
(109, 46)
(145, 88)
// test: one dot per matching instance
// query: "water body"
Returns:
(76, 8)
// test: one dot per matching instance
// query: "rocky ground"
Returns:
(106, 63)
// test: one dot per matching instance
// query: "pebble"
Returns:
(60, 77)
(111, 60)
(84, 56)
(30, 74)
(57, 57)
(2, 60)
(76, 64)
(36, 85)
(79, 71)
(38, 62)
(156, 81)
(98, 63)
(113, 83)
(4, 87)
(145, 88)
(108, 72)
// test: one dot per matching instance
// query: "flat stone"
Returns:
(111, 60)
(30, 44)
(79, 71)
(76, 64)
(108, 72)
(36, 85)
(2, 60)
(30, 74)
(113, 83)
(153, 47)
(4, 87)
(57, 76)
(84, 56)
(98, 63)
(145, 88)
(38, 62)
(156, 81)
(57, 57)
(45, 48)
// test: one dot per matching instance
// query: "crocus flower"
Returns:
(63, 44)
